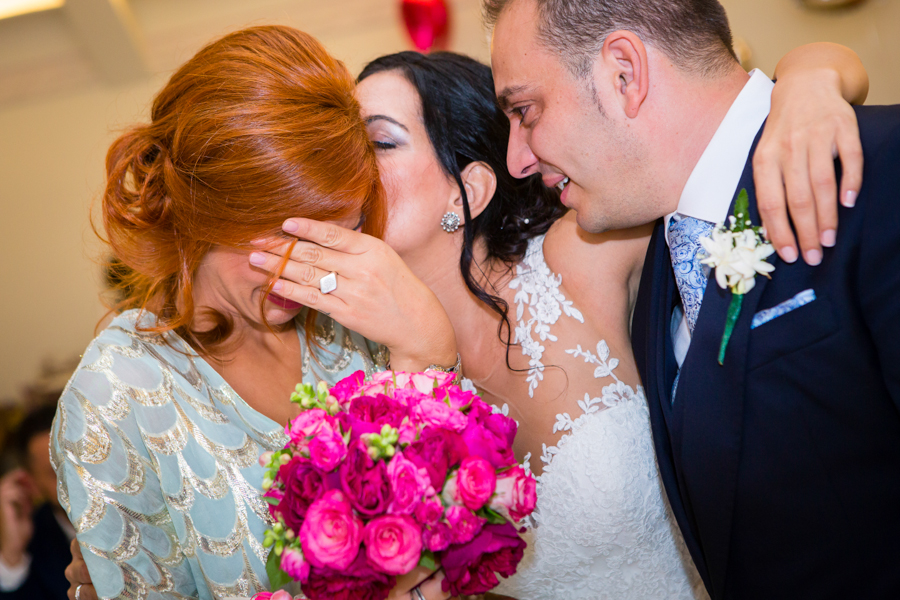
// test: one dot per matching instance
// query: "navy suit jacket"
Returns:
(783, 465)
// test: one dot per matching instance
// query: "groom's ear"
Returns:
(624, 58)
(480, 182)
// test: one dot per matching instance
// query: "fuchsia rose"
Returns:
(358, 582)
(435, 451)
(344, 389)
(379, 410)
(410, 397)
(436, 537)
(459, 399)
(331, 533)
(327, 449)
(293, 563)
(464, 524)
(516, 494)
(475, 482)
(409, 483)
(430, 510)
(472, 568)
(302, 486)
(407, 433)
(365, 482)
(279, 595)
(490, 435)
(393, 543)
(436, 413)
(306, 425)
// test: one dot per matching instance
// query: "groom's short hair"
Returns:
(694, 34)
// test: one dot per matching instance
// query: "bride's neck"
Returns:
(475, 324)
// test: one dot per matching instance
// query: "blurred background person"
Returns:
(34, 530)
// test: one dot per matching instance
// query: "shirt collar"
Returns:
(708, 192)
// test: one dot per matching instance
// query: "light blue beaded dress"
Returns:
(157, 462)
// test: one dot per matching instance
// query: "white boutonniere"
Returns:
(738, 252)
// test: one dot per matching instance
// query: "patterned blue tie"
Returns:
(684, 241)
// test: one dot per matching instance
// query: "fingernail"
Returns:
(257, 259)
(850, 199)
(829, 238)
(813, 257)
(788, 254)
(290, 226)
(277, 287)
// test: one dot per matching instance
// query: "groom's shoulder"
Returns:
(879, 126)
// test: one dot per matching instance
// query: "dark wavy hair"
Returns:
(465, 125)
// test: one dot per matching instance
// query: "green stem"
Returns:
(734, 311)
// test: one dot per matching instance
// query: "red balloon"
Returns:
(427, 22)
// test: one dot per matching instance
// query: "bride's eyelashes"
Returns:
(384, 145)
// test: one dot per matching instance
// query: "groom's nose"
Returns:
(520, 160)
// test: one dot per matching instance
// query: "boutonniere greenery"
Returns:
(737, 251)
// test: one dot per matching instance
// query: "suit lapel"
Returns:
(655, 357)
(709, 409)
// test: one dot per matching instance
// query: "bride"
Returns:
(503, 255)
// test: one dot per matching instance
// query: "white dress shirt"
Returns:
(709, 190)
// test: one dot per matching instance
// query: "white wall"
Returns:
(52, 148)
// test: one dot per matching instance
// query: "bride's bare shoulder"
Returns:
(572, 251)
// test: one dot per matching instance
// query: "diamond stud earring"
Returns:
(450, 222)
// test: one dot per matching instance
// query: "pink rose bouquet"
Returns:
(386, 473)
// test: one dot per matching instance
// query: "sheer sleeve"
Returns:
(109, 483)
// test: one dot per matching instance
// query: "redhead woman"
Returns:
(158, 432)
(503, 255)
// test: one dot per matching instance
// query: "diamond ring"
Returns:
(78, 591)
(417, 594)
(328, 283)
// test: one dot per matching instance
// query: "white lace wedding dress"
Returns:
(602, 528)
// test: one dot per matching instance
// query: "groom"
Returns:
(782, 464)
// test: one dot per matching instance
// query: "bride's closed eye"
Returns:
(386, 133)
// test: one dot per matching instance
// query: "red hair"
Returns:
(261, 125)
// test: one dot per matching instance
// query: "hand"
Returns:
(428, 582)
(809, 126)
(17, 492)
(377, 295)
(77, 574)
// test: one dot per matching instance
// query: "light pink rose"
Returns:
(327, 449)
(409, 483)
(438, 414)
(393, 543)
(516, 495)
(264, 458)
(436, 537)
(464, 524)
(279, 595)
(427, 381)
(475, 482)
(293, 563)
(331, 533)
(306, 425)
(450, 494)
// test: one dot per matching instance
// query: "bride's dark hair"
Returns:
(465, 125)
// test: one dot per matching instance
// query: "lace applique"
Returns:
(538, 288)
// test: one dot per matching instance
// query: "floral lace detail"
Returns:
(538, 288)
(603, 528)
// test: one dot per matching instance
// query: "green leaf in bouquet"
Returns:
(428, 560)
(492, 516)
(277, 577)
(270, 500)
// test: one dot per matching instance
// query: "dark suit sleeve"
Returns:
(879, 259)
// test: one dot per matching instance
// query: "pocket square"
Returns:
(764, 316)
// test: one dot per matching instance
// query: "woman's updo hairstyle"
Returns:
(464, 125)
(261, 125)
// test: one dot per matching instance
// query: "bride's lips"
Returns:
(283, 302)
